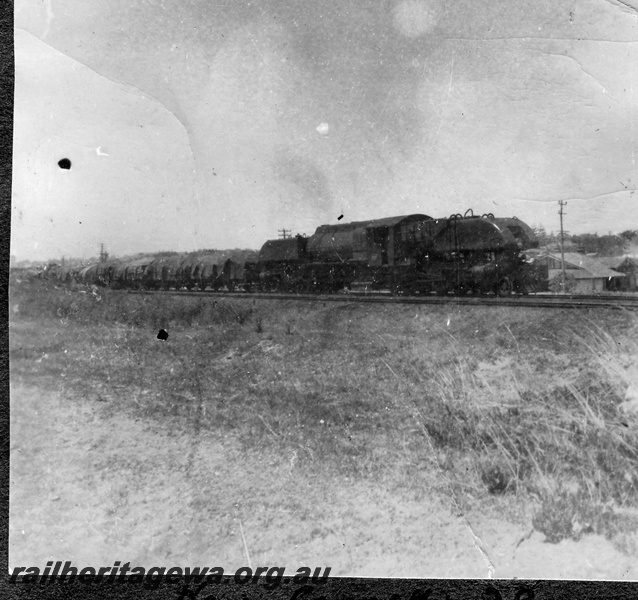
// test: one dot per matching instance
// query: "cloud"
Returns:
(430, 105)
(307, 178)
(414, 18)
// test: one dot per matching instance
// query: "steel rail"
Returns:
(568, 301)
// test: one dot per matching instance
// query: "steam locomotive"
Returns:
(411, 254)
(407, 254)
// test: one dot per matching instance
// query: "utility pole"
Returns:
(562, 203)
(103, 253)
(284, 233)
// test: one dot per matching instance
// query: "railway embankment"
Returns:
(513, 413)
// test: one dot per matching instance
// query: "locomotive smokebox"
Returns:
(481, 272)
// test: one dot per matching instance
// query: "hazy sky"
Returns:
(208, 124)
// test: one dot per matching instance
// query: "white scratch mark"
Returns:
(264, 63)
(384, 105)
(243, 539)
(631, 117)
(356, 112)
(48, 5)
(99, 152)
(447, 98)
(531, 38)
(625, 188)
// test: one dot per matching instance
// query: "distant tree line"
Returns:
(591, 243)
(602, 245)
(544, 238)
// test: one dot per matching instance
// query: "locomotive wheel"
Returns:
(504, 287)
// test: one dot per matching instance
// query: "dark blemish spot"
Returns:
(64, 163)
(496, 480)
(339, 217)
(162, 335)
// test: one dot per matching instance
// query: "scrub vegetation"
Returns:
(524, 406)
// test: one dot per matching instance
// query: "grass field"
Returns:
(519, 409)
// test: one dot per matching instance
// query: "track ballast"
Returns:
(575, 301)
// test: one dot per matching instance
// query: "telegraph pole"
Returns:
(561, 203)
(284, 233)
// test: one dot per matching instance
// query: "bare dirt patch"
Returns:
(94, 488)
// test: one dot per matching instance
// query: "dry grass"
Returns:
(523, 404)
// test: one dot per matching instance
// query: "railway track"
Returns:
(618, 302)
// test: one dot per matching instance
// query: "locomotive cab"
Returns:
(395, 241)
(363, 253)
(378, 245)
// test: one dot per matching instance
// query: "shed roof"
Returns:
(616, 261)
(581, 274)
(593, 268)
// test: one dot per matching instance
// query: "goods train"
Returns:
(411, 254)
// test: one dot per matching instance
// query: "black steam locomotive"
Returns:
(412, 254)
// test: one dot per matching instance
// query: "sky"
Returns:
(199, 124)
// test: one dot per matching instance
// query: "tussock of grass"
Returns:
(514, 403)
(559, 437)
(84, 305)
